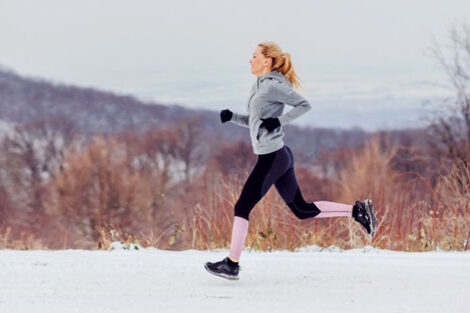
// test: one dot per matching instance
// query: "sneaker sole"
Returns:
(371, 212)
(221, 274)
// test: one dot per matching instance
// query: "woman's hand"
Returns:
(225, 115)
(270, 123)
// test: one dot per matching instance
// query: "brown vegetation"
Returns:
(122, 189)
(167, 188)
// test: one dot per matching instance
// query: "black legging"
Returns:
(274, 168)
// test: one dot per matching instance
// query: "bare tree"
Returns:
(153, 154)
(4, 206)
(450, 129)
(190, 145)
(159, 148)
(29, 156)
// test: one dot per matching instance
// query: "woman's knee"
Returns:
(244, 206)
(304, 210)
(244, 213)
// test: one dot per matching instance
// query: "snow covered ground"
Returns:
(308, 280)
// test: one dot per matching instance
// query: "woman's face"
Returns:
(259, 63)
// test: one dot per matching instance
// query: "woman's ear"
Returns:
(268, 62)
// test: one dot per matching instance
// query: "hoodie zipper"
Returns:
(257, 90)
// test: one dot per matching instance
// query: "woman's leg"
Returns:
(290, 192)
(239, 231)
(266, 171)
(330, 209)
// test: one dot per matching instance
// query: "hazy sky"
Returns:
(359, 60)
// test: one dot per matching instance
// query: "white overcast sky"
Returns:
(358, 59)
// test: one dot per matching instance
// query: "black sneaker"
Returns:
(363, 212)
(223, 269)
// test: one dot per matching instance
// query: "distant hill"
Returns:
(30, 99)
(26, 99)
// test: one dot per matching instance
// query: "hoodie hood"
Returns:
(274, 75)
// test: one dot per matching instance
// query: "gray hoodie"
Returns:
(267, 98)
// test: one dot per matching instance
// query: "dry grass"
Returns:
(413, 214)
(24, 241)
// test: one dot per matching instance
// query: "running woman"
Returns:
(274, 88)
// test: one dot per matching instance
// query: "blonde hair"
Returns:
(282, 61)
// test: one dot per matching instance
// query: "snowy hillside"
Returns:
(309, 280)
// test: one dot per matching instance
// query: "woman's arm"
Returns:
(240, 119)
(285, 94)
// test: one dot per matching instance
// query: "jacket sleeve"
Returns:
(240, 119)
(287, 95)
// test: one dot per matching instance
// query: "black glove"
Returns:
(270, 123)
(225, 115)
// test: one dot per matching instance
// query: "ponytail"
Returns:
(282, 62)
